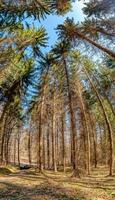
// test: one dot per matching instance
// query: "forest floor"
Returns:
(30, 185)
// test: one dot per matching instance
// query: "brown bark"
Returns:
(73, 124)
(86, 125)
(63, 142)
(54, 134)
(104, 49)
(110, 134)
(101, 30)
(40, 142)
(44, 154)
(18, 139)
(3, 134)
(29, 147)
(14, 152)
(92, 121)
(109, 102)
(48, 148)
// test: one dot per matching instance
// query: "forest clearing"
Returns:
(57, 99)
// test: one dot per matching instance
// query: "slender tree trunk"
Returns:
(101, 143)
(41, 121)
(18, 148)
(94, 139)
(2, 148)
(54, 135)
(29, 147)
(84, 137)
(57, 144)
(108, 100)
(104, 49)
(100, 30)
(48, 148)
(40, 144)
(3, 124)
(107, 122)
(37, 146)
(44, 154)
(63, 142)
(73, 123)
(14, 152)
(86, 125)
(7, 146)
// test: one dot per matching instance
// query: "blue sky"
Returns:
(51, 22)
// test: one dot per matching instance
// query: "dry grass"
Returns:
(30, 185)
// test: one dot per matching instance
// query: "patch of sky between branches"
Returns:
(51, 22)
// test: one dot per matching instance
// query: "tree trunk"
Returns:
(63, 142)
(107, 122)
(94, 139)
(73, 123)
(104, 49)
(48, 148)
(18, 148)
(40, 143)
(100, 30)
(54, 135)
(14, 152)
(109, 102)
(29, 147)
(3, 124)
(7, 146)
(44, 150)
(86, 125)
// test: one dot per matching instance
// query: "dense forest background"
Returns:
(57, 100)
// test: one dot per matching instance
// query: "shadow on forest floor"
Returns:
(40, 192)
(30, 185)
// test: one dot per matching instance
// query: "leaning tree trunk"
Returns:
(104, 49)
(108, 100)
(107, 122)
(100, 30)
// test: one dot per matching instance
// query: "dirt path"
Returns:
(29, 185)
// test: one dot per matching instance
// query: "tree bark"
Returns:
(86, 125)
(40, 142)
(29, 147)
(48, 148)
(54, 135)
(94, 138)
(110, 134)
(63, 142)
(109, 102)
(18, 139)
(73, 124)
(104, 49)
